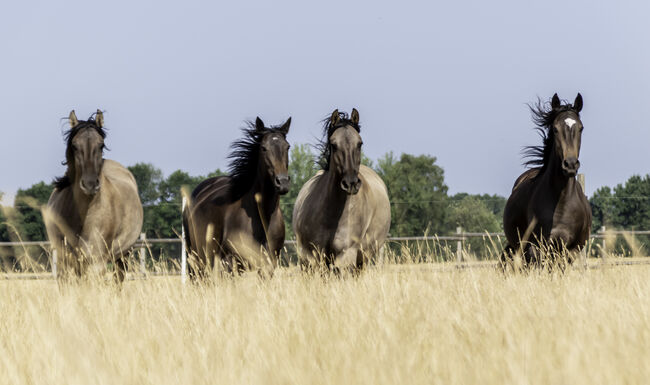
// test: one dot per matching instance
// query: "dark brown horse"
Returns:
(236, 219)
(547, 208)
(342, 214)
(94, 214)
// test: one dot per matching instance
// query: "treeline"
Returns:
(420, 202)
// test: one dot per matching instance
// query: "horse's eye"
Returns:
(334, 148)
(360, 144)
(264, 148)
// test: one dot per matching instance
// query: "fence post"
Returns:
(142, 255)
(581, 180)
(183, 250)
(54, 262)
(459, 245)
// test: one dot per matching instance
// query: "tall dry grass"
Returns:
(392, 324)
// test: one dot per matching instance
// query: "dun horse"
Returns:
(547, 207)
(342, 215)
(236, 219)
(94, 214)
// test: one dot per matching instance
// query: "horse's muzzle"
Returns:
(351, 185)
(570, 166)
(282, 183)
(89, 188)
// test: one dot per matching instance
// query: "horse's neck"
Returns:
(561, 186)
(82, 201)
(269, 198)
(334, 195)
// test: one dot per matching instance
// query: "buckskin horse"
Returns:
(342, 214)
(94, 215)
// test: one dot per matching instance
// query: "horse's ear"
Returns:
(335, 118)
(577, 105)
(99, 119)
(555, 102)
(284, 129)
(355, 117)
(72, 119)
(259, 124)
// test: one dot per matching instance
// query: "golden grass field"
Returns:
(392, 324)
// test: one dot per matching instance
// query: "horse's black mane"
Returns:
(242, 170)
(323, 145)
(66, 180)
(543, 117)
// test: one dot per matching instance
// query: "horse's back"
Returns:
(214, 190)
(515, 213)
(206, 207)
(525, 178)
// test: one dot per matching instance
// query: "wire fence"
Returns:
(166, 255)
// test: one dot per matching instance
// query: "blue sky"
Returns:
(450, 79)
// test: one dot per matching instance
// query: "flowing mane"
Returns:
(323, 145)
(543, 116)
(242, 170)
(66, 180)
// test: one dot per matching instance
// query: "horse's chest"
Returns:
(349, 232)
(562, 221)
(343, 239)
(242, 231)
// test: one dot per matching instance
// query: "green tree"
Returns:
(4, 231)
(417, 193)
(631, 203)
(602, 208)
(473, 215)
(28, 203)
(301, 168)
(166, 216)
(148, 178)
(494, 203)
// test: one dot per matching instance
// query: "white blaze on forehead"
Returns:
(570, 122)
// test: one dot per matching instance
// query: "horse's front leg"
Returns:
(347, 259)
(93, 253)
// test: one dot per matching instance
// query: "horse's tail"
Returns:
(186, 232)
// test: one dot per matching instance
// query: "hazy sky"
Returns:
(450, 79)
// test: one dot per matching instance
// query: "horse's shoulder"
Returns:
(373, 180)
(525, 177)
(311, 182)
(118, 174)
(59, 197)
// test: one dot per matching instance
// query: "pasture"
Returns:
(407, 323)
